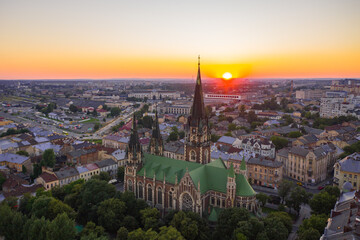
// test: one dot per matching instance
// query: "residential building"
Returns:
(83, 156)
(174, 150)
(120, 157)
(308, 165)
(115, 141)
(15, 161)
(109, 166)
(309, 94)
(264, 172)
(348, 170)
(67, 175)
(155, 94)
(258, 146)
(48, 180)
(335, 107)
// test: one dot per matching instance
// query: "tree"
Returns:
(284, 189)
(92, 193)
(317, 222)
(111, 213)
(23, 153)
(214, 137)
(295, 134)
(73, 108)
(147, 122)
(96, 126)
(309, 234)
(120, 173)
(150, 218)
(181, 134)
(333, 190)
(2, 180)
(37, 170)
(36, 229)
(130, 223)
(279, 142)
(284, 217)
(104, 176)
(115, 111)
(288, 119)
(24, 170)
(323, 202)
(49, 157)
(187, 227)
(173, 136)
(275, 229)
(93, 230)
(263, 198)
(231, 127)
(250, 229)
(251, 117)
(228, 220)
(169, 233)
(298, 196)
(11, 223)
(242, 110)
(122, 234)
(50, 207)
(62, 227)
(140, 234)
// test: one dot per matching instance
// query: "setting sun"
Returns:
(227, 76)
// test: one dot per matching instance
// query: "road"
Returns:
(305, 212)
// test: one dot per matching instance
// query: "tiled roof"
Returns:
(264, 162)
(66, 173)
(226, 139)
(351, 163)
(299, 151)
(13, 158)
(48, 177)
(210, 177)
(92, 166)
(106, 163)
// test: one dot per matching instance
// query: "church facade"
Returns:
(194, 184)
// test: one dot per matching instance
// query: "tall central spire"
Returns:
(198, 108)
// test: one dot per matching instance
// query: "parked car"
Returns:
(320, 187)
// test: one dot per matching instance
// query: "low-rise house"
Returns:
(83, 156)
(258, 146)
(307, 140)
(67, 175)
(47, 179)
(120, 157)
(109, 166)
(15, 186)
(88, 171)
(230, 141)
(115, 141)
(39, 149)
(348, 170)
(264, 172)
(15, 161)
(174, 150)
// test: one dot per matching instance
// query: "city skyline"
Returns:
(159, 39)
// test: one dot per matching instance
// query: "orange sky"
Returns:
(160, 39)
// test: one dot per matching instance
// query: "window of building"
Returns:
(350, 175)
(212, 200)
(140, 190)
(159, 196)
(218, 202)
(170, 200)
(193, 155)
(130, 185)
(223, 203)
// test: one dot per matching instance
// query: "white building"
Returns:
(339, 106)
(155, 94)
(262, 147)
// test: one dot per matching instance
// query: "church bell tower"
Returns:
(197, 139)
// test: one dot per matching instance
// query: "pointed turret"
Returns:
(243, 167)
(134, 150)
(231, 187)
(198, 108)
(156, 144)
(231, 171)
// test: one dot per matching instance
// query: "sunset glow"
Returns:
(126, 39)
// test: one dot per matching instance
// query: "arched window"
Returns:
(159, 196)
(192, 155)
(187, 202)
(130, 185)
(140, 189)
(149, 193)
(170, 200)
(206, 155)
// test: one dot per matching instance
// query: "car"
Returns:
(299, 183)
(320, 187)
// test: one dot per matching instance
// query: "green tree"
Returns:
(169, 233)
(187, 227)
(250, 229)
(147, 122)
(22, 152)
(284, 189)
(49, 157)
(298, 196)
(93, 230)
(279, 142)
(111, 213)
(242, 110)
(122, 234)
(62, 227)
(104, 176)
(11, 222)
(228, 220)
(25, 204)
(92, 193)
(181, 134)
(295, 134)
(284, 217)
(322, 203)
(251, 117)
(150, 218)
(24, 170)
(120, 173)
(231, 127)
(36, 229)
(309, 234)
(173, 136)
(130, 223)
(275, 229)
(140, 234)
(96, 126)
(115, 111)
(73, 108)
(2, 180)
(214, 137)
(317, 222)
(263, 198)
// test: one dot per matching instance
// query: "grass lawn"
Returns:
(270, 210)
(99, 141)
(89, 120)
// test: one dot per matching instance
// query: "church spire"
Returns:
(134, 146)
(198, 108)
(156, 143)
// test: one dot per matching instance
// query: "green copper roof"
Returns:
(212, 176)
(217, 163)
(231, 172)
(213, 217)
(243, 164)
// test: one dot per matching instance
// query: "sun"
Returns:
(227, 76)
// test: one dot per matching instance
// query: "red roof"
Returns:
(92, 166)
(48, 177)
